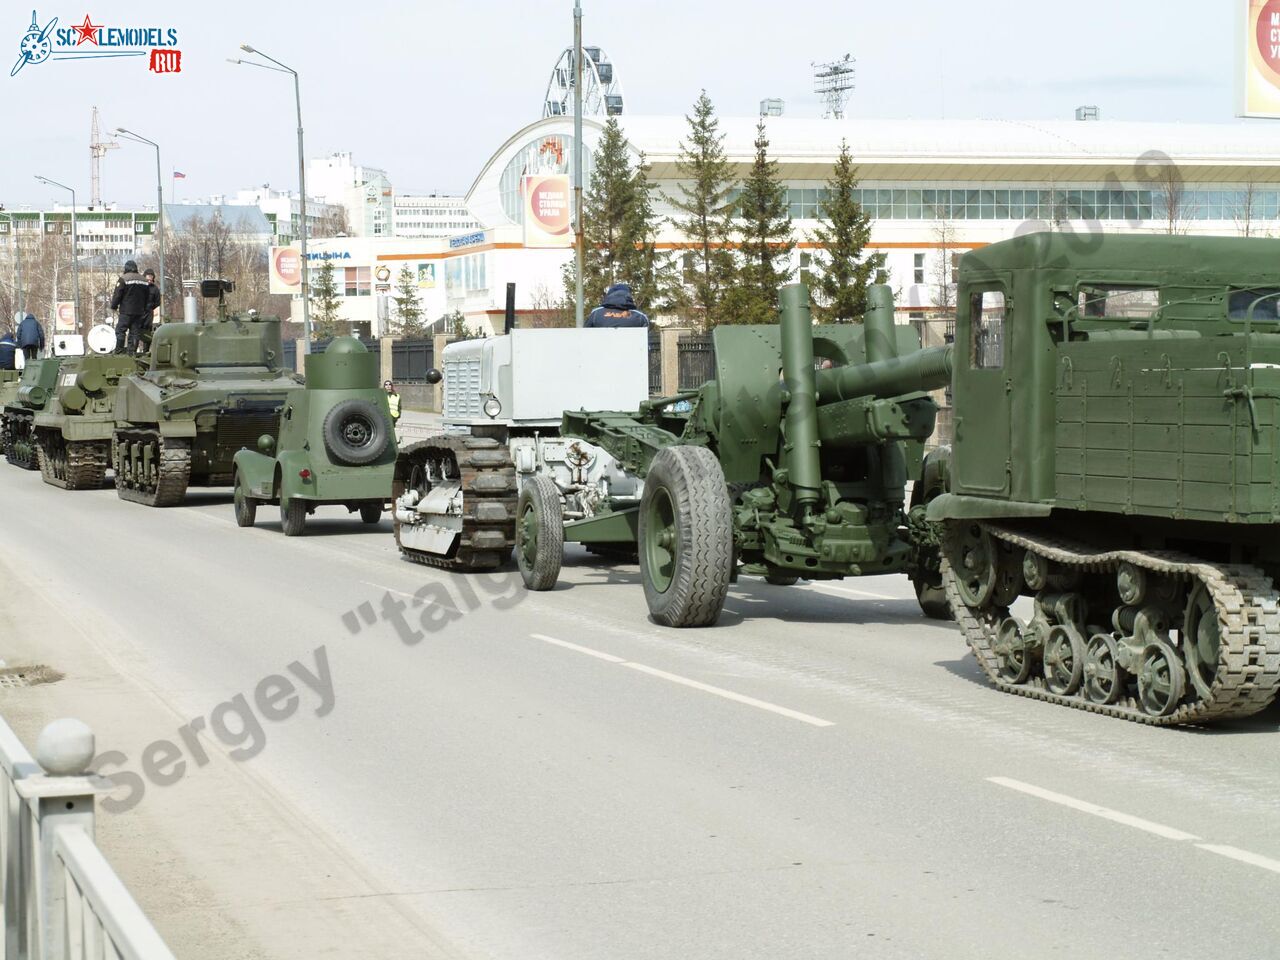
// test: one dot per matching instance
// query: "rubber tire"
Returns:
(782, 579)
(694, 481)
(542, 497)
(293, 517)
(933, 602)
(246, 507)
(336, 445)
(370, 513)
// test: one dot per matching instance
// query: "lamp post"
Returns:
(302, 182)
(19, 305)
(75, 244)
(579, 253)
(130, 135)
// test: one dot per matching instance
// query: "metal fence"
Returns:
(61, 899)
(696, 358)
(411, 359)
(655, 362)
(372, 344)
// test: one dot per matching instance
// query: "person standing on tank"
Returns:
(132, 298)
(30, 337)
(617, 309)
(8, 347)
(153, 304)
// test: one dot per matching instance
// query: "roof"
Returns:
(240, 219)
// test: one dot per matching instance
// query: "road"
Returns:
(516, 776)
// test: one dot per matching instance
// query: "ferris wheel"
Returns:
(601, 88)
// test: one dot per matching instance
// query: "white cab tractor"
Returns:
(455, 495)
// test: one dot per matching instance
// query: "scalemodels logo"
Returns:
(90, 41)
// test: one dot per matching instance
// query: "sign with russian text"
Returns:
(546, 211)
(286, 270)
(1258, 69)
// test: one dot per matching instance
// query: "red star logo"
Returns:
(88, 31)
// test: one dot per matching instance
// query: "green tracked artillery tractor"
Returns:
(210, 389)
(792, 463)
(73, 430)
(336, 445)
(36, 388)
(1117, 461)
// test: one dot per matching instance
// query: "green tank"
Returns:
(209, 389)
(73, 430)
(36, 388)
(336, 445)
(1112, 502)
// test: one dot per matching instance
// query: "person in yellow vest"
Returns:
(393, 402)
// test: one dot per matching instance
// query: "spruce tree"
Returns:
(844, 270)
(325, 302)
(408, 318)
(707, 206)
(766, 240)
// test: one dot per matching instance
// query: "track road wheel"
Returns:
(1064, 655)
(1016, 657)
(293, 517)
(1161, 679)
(686, 537)
(246, 507)
(539, 534)
(1202, 639)
(975, 562)
(370, 512)
(1104, 678)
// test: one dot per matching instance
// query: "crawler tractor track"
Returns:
(19, 440)
(1244, 679)
(72, 465)
(150, 469)
(488, 478)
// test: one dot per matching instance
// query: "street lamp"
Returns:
(130, 135)
(302, 181)
(75, 243)
(19, 305)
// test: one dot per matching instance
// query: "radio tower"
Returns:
(832, 81)
(97, 150)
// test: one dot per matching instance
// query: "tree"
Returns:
(766, 240)
(408, 319)
(944, 269)
(706, 202)
(325, 302)
(844, 268)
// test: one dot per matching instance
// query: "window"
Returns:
(1125, 303)
(806, 262)
(919, 268)
(356, 281)
(986, 325)
(1262, 299)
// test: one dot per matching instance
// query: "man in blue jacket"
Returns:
(30, 337)
(7, 349)
(617, 309)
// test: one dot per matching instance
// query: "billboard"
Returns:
(286, 270)
(1258, 58)
(426, 276)
(546, 210)
(64, 316)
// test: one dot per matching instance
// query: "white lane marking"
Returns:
(1244, 856)
(852, 592)
(1159, 829)
(573, 646)
(685, 681)
(398, 593)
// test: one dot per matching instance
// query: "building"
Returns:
(423, 217)
(284, 210)
(245, 223)
(365, 193)
(105, 232)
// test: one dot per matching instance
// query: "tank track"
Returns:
(1246, 600)
(19, 440)
(488, 477)
(166, 484)
(81, 466)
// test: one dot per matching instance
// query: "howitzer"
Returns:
(793, 462)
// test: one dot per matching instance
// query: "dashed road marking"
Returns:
(1084, 806)
(1244, 856)
(687, 682)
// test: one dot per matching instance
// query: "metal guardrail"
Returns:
(60, 898)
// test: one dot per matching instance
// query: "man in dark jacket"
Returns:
(153, 303)
(30, 337)
(8, 346)
(131, 298)
(617, 309)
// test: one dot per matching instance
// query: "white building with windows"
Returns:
(365, 192)
(425, 216)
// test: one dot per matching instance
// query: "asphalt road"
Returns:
(516, 776)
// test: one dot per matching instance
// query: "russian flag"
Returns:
(179, 176)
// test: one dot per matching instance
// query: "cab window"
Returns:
(986, 330)
(1262, 299)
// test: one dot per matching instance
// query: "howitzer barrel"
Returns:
(922, 370)
(801, 416)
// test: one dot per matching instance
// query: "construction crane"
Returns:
(97, 150)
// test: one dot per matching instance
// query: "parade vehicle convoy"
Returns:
(36, 388)
(209, 389)
(336, 444)
(72, 432)
(786, 476)
(1115, 460)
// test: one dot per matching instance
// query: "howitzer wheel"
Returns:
(150, 469)
(539, 533)
(686, 537)
(780, 579)
(370, 513)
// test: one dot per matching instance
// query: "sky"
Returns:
(429, 90)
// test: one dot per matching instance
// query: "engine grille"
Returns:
(242, 429)
(462, 389)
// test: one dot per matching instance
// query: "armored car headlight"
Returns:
(492, 407)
